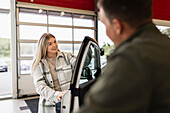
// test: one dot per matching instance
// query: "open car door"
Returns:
(86, 71)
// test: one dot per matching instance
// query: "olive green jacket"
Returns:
(136, 78)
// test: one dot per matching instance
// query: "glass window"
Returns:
(5, 47)
(164, 29)
(31, 32)
(91, 64)
(33, 22)
(25, 66)
(5, 77)
(104, 42)
(5, 51)
(5, 25)
(5, 4)
(76, 48)
(83, 20)
(60, 18)
(32, 15)
(79, 34)
(64, 34)
(65, 47)
(27, 49)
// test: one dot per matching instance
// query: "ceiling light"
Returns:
(82, 16)
(40, 11)
(62, 13)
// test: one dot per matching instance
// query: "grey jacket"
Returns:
(136, 78)
(44, 83)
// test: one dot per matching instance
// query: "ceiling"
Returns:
(161, 8)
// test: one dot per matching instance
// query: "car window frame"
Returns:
(74, 87)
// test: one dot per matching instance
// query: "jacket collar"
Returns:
(135, 35)
(59, 54)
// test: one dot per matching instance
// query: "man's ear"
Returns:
(118, 26)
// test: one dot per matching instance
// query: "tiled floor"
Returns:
(14, 106)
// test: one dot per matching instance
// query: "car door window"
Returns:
(86, 71)
(91, 70)
(91, 65)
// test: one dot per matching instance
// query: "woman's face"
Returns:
(52, 47)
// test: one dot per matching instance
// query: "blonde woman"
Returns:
(52, 71)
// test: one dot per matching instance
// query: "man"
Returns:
(137, 75)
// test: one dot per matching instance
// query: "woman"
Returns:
(52, 71)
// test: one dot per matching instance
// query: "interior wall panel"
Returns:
(161, 9)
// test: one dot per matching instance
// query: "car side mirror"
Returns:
(101, 51)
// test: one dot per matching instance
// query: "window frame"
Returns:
(47, 9)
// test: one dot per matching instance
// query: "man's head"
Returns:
(133, 12)
(123, 17)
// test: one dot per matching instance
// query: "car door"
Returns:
(86, 71)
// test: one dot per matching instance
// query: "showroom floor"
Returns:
(14, 106)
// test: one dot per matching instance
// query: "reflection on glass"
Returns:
(83, 20)
(60, 18)
(27, 49)
(32, 15)
(31, 32)
(79, 34)
(65, 47)
(61, 33)
(91, 67)
(25, 66)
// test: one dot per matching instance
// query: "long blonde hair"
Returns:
(41, 50)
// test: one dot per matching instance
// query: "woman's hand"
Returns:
(61, 94)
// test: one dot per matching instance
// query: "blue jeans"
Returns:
(58, 107)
